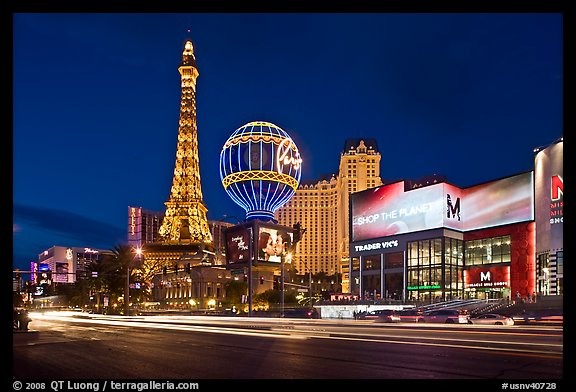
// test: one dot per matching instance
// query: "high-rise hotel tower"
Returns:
(322, 208)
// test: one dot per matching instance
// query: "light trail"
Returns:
(305, 330)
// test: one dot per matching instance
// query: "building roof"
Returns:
(351, 144)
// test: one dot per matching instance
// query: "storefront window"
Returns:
(412, 254)
(394, 260)
(488, 251)
(371, 262)
(393, 284)
(426, 267)
(437, 251)
(371, 286)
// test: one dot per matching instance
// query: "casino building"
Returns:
(436, 241)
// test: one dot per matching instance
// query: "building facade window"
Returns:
(435, 270)
(488, 251)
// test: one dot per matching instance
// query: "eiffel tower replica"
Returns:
(184, 236)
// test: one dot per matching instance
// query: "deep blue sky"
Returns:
(96, 104)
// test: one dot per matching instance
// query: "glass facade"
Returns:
(488, 251)
(435, 270)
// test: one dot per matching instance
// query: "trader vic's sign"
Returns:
(376, 245)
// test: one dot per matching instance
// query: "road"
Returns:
(78, 346)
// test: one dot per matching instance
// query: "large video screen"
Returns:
(390, 209)
(500, 202)
(274, 244)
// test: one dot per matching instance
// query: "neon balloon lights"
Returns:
(260, 168)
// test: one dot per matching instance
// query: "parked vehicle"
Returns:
(447, 316)
(492, 319)
(410, 315)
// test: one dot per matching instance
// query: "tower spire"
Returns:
(185, 219)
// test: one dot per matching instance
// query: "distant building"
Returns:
(143, 226)
(67, 264)
(198, 287)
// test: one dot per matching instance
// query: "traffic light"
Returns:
(298, 232)
(188, 269)
(261, 280)
(164, 271)
(245, 278)
(176, 268)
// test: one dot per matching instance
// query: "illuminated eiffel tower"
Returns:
(184, 232)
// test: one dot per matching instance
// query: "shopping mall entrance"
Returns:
(488, 293)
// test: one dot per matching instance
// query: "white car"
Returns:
(492, 319)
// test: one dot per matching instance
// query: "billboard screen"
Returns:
(274, 243)
(61, 274)
(500, 202)
(391, 210)
(238, 244)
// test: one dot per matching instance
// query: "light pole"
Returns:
(283, 260)
(198, 273)
(138, 252)
(309, 281)
(282, 286)
(127, 291)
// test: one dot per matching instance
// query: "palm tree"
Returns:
(124, 258)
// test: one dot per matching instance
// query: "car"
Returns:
(447, 316)
(310, 313)
(387, 316)
(492, 319)
(381, 315)
(410, 315)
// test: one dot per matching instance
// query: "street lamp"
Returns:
(284, 258)
(138, 252)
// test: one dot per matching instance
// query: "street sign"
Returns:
(237, 272)
(302, 290)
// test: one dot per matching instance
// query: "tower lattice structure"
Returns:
(185, 219)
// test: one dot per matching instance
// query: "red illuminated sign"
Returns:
(557, 188)
(487, 277)
(556, 202)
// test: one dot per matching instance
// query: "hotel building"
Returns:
(66, 264)
(321, 207)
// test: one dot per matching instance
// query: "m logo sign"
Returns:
(557, 188)
(485, 276)
(452, 210)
